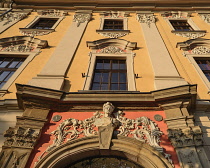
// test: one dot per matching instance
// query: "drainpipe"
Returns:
(8, 9)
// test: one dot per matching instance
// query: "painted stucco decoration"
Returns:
(142, 129)
(112, 50)
(190, 35)
(205, 17)
(201, 50)
(114, 34)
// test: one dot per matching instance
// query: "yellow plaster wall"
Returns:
(36, 65)
(142, 64)
(183, 65)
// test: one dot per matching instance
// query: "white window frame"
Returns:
(129, 63)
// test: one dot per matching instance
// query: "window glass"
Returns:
(110, 74)
(204, 64)
(181, 25)
(112, 24)
(44, 23)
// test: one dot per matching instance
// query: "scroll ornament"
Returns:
(143, 129)
(146, 18)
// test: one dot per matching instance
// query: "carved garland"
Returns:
(142, 128)
(10, 17)
(81, 18)
(190, 35)
(201, 50)
(146, 18)
(53, 13)
(113, 34)
(111, 50)
(205, 17)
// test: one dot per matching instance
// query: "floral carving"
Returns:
(191, 136)
(36, 32)
(111, 50)
(146, 18)
(206, 17)
(142, 128)
(18, 48)
(10, 17)
(176, 14)
(113, 34)
(190, 35)
(23, 137)
(201, 50)
(53, 12)
(81, 18)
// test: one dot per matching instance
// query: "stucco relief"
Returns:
(205, 17)
(111, 50)
(190, 136)
(114, 34)
(143, 129)
(146, 18)
(23, 137)
(81, 18)
(53, 13)
(176, 14)
(10, 17)
(201, 50)
(190, 35)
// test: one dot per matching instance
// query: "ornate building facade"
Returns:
(104, 83)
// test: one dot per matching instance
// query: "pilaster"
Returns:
(53, 74)
(165, 72)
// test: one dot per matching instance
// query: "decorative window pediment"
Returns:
(113, 24)
(43, 24)
(182, 25)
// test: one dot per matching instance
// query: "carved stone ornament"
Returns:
(21, 137)
(81, 18)
(201, 50)
(114, 14)
(113, 34)
(13, 159)
(35, 32)
(190, 35)
(191, 136)
(205, 17)
(142, 129)
(111, 50)
(176, 14)
(10, 17)
(146, 18)
(53, 13)
(21, 44)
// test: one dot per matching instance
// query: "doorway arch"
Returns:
(124, 147)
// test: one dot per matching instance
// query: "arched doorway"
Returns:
(127, 149)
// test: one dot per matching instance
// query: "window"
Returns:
(181, 25)
(204, 65)
(111, 24)
(109, 75)
(8, 66)
(44, 23)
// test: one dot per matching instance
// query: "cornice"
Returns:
(114, 4)
(36, 97)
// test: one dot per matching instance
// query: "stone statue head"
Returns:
(108, 108)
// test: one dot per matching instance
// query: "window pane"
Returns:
(123, 77)
(18, 65)
(123, 87)
(114, 87)
(104, 87)
(114, 78)
(4, 64)
(99, 64)
(96, 86)
(2, 84)
(4, 75)
(97, 77)
(13, 64)
(107, 64)
(115, 64)
(7, 78)
(122, 65)
(105, 77)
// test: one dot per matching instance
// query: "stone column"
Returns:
(165, 72)
(53, 74)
